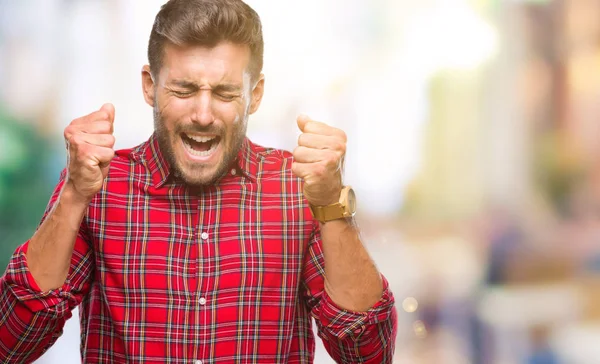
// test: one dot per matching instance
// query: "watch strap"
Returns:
(327, 213)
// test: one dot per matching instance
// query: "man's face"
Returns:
(201, 100)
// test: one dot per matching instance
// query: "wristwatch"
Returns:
(344, 208)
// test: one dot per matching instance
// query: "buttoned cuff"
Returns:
(21, 283)
(343, 323)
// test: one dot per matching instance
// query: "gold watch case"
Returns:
(344, 208)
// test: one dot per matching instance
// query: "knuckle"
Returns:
(75, 121)
(339, 147)
(105, 127)
(103, 115)
(68, 132)
(332, 158)
(297, 151)
(75, 140)
(320, 169)
(110, 139)
(105, 154)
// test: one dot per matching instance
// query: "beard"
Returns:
(197, 175)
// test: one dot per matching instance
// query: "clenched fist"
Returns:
(90, 144)
(318, 161)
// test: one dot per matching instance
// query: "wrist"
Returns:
(334, 198)
(344, 207)
(347, 222)
(71, 197)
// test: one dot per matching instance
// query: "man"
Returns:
(199, 246)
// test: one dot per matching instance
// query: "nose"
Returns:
(202, 113)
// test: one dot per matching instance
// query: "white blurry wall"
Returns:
(359, 65)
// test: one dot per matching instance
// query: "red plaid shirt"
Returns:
(162, 272)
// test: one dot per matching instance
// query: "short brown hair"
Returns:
(206, 23)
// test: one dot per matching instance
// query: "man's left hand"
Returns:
(318, 160)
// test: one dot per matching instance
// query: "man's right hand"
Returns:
(90, 143)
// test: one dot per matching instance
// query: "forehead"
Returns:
(223, 62)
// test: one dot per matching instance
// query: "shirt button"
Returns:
(233, 172)
(198, 362)
(204, 235)
(202, 301)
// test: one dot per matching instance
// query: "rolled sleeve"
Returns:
(31, 319)
(348, 336)
(343, 324)
(24, 288)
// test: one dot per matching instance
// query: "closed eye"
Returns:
(226, 97)
(182, 94)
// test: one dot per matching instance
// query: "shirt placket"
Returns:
(203, 305)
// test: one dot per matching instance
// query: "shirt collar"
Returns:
(150, 154)
(154, 160)
(248, 159)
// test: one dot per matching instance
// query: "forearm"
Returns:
(355, 316)
(49, 251)
(352, 280)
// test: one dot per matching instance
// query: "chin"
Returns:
(195, 179)
(202, 175)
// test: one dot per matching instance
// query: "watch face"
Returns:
(351, 201)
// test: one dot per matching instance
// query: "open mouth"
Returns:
(200, 145)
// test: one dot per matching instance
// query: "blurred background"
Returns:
(473, 147)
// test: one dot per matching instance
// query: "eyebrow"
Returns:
(184, 84)
(226, 87)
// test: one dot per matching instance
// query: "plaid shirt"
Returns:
(231, 272)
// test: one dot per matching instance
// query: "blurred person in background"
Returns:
(199, 244)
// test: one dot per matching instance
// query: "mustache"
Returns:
(216, 129)
(192, 129)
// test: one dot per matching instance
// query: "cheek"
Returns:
(172, 111)
(174, 106)
(229, 113)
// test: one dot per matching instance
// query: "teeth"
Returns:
(200, 153)
(200, 138)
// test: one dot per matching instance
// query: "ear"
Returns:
(148, 85)
(257, 94)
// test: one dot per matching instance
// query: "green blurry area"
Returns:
(26, 182)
